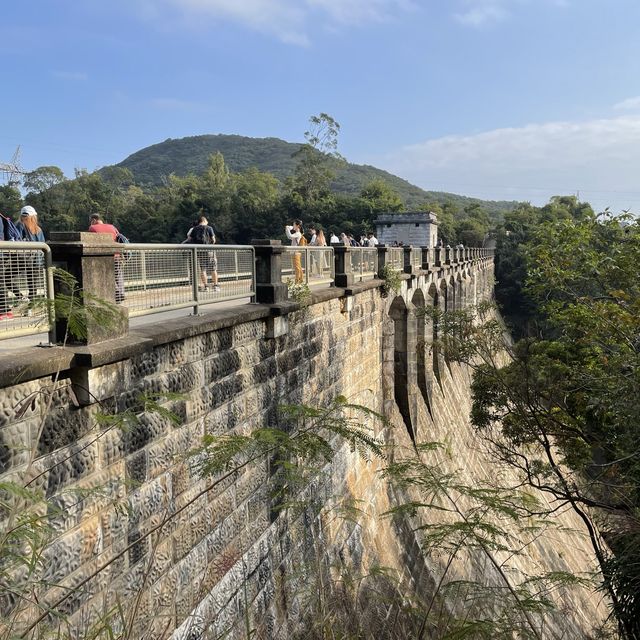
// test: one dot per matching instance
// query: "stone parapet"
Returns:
(269, 286)
(92, 259)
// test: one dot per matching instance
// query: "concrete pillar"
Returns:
(93, 260)
(427, 259)
(408, 267)
(382, 257)
(344, 272)
(269, 286)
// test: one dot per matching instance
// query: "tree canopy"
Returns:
(564, 409)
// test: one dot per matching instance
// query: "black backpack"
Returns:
(202, 234)
(8, 230)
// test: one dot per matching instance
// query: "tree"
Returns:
(254, 203)
(43, 178)
(10, 200)
(381, 196)
(316, 158)
(569, 394)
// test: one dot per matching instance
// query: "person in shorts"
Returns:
(202, 233)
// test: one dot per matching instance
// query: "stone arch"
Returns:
(472, 296)
(402, 344)
(423, 342)
(450, 300)
(459, 292)
(439, 296)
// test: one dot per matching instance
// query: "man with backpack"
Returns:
(202, 233)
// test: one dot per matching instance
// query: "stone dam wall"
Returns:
(134, 523)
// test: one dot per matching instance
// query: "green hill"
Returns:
(190, 155)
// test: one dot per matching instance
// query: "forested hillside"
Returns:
(248, 188)
(190, 155)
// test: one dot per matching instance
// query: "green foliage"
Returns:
(568, 394)
(248, 188)
(31, 606)
(43, 178)
(391, 278)
(78, 307)
(190, 155)
(381, 196)
(10, 200)
(299, 292)
(303, 439)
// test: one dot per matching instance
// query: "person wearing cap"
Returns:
(31, 263)
(28, 225)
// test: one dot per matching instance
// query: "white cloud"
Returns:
(480, 13)
(76, 76)
(630, 104)
(600, 158)
(289, 20)
(175, 104)
(283, 18)
(351, 12)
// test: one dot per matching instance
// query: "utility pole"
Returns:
(12, 172)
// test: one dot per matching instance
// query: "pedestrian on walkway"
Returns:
(98, 225)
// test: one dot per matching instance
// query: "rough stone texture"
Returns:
(135, 523)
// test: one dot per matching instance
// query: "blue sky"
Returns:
(505, 99)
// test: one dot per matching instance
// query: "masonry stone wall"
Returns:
(135, 524)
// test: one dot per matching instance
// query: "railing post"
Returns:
(307, 265)
(426, 258)
(195, 280)
(344, 272)
(269, 286)
(447, 255)
(383, 257)
(406, 260)
(89, 258)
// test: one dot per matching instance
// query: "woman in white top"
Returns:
(294, 233)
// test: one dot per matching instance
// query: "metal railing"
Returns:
(151, 278)
(26, 290)
(395, 258)
(415, 257)
(429, 254)
(364, 263)
(308, 265)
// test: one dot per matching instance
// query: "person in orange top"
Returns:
(97, 225)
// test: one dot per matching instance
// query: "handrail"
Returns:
(23, 309)
(308, 265)
(152, 278)
(364, 262)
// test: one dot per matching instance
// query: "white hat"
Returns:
(28, 211)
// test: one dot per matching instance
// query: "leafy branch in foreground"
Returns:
(391, 278)
(453, 520)
(458, 522)
(29, 524)
(560, 406)
(305, 435)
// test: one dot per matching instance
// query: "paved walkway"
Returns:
(41, 339)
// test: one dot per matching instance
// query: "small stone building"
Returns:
(419, 229)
